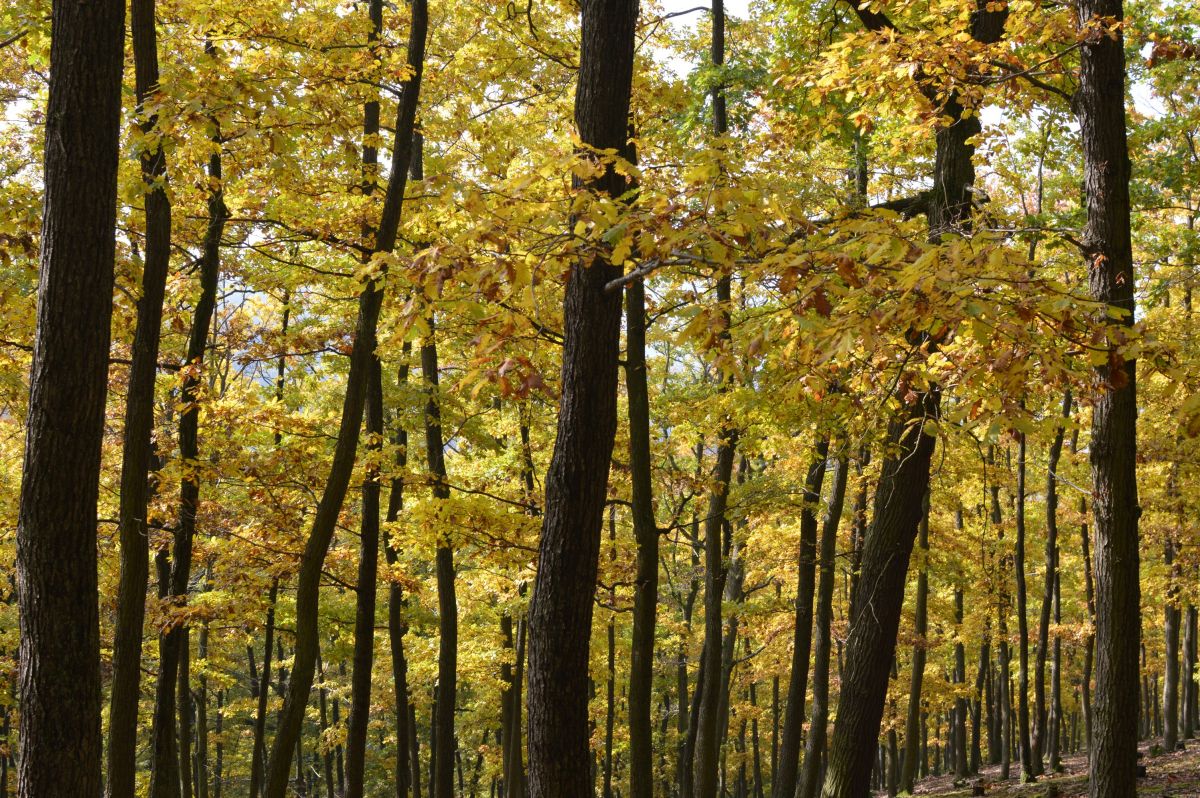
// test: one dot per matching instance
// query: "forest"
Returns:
(599, 398)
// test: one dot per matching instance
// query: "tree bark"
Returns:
(645, 531)
(1100, 106)
(903, 481)
(325, 520)
(1028, 770)
(59, 663)
(560, 614)
(136, 443)
(785, 782)
(908, 775)
(1048, 593)
(262, 691)
(815, 744)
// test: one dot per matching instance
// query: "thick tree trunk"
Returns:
(1100, 105)
(912, 732)
(560, 614)
(903, 482)
(786, 779)
(59, 670)
(136, 444)
(325, 519)
(814, 748)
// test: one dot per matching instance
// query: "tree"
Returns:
(56, 534)
(560, 613)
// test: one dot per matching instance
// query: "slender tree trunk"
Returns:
(908, 775)
(340, 471)
(1189, 675)
(139, 424)
(958, 722)
(368, 564)
(560, 615)
(1028, 769)
(645, 531)
(202, 768)
(610, 687)
(815, 744)
(405, 775)
(1100, 105)
(1170, 708)
(1090, 639)
(166, 766)
(262, 690)
(1056, 710)
(1039, 683)
(785, 782)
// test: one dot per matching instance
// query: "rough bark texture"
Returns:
(59, 671)
(903, 482)
(325, 519)
(1039, 685)
(560, 614)
(1100, 106)
(139, 425)
(815, 744)
(645, 597)
(785, 782)
(908, 774)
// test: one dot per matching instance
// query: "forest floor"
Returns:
(1174, 775)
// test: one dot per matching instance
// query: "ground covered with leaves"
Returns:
(1174, 775)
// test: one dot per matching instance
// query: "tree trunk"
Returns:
(1100, 105)
(903, 482)
(1189, 676)
(1170, 708)
(59, 670)
(958, 722)
(262, 689)
(560, 614)
(1090, 640)
(815, 744)
(325, 519)
(166, 767)
(1039, 685)
(136, 443)
(785, 782)
(1028, 769)
(405, 775)
(645, 531)
(912, 731)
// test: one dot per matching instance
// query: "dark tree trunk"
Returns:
(1056, 711)
(364, 617)
(1090, 640)
(908, 775)
(397, 626)
(815, 744)
(447, 693)
(1189, 679)
(59, 671)
(645, 530)
(139, 425)
(166, 767)
(185, 717)
(560, 614)
(368, 563)
(903, 482)
(958, 722)
(262, 689)
(1171, 614)
(1028, 769)
(1100, 106)
(341, 469)
(1048, 593)
(786, 779)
